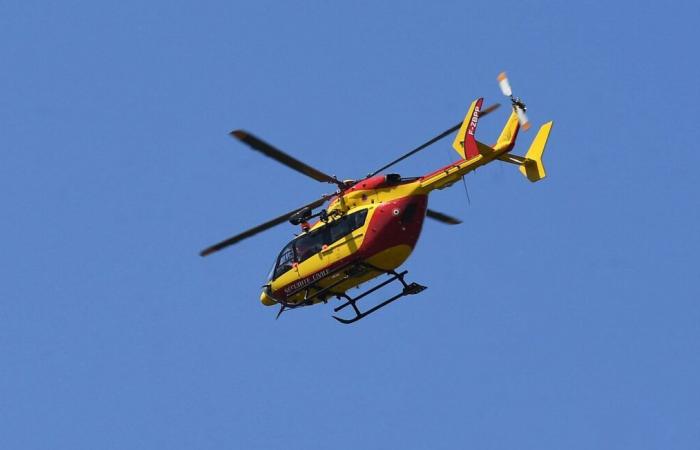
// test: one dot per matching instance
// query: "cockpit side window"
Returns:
(285, 260)
(346, 225)
(313, 242)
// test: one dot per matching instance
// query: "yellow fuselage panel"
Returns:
(369, 197)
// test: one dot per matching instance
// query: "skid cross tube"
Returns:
(408, 289)
(377, 287)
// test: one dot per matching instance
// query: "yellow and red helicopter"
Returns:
(371, 226)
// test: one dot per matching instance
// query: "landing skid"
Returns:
(314, 293)
(408, 289)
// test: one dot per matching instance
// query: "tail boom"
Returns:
(476, 154)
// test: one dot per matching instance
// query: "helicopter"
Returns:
(370, 226)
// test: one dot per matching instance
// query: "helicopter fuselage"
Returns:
(387, 215)
(393, 210)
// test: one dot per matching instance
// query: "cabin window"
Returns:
(346, 225)
(311, 243)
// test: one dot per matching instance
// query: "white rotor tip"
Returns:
(504, 85)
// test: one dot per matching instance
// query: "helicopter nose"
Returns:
(266, 300)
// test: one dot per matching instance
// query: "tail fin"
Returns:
(510, 131)
(465, 143)
(532, 167)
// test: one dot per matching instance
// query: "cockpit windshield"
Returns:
(307, 245)
(285, 260)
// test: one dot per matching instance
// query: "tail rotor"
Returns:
(518, 105)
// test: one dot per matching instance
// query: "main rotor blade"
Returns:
(260, 228)
(447, 132)
(278, 155)
(444, 218)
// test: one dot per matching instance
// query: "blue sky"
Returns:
(562, 314)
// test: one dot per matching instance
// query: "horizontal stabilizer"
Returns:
(531, 164)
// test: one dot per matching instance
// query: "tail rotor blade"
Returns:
(522, 118)
(504, 84)
(518, 105)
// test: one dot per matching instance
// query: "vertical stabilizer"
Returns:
(510, 132)
(465, 143)
(532, 167)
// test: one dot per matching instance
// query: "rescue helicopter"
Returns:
(370, 226)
